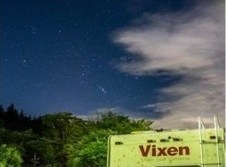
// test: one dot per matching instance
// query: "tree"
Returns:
(11, 119)
(43, 149)
(90, 151)
(37, 125)
(9, 156)
(60, 139)
(121, 124)
(62, 127)
(2, 112)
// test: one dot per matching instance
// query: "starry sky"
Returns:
(159, 60)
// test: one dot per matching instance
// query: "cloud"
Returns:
(189, 44)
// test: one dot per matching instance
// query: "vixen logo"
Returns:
(153, 151)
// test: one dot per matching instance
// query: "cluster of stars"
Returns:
(102, 90)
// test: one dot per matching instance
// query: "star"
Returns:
(108, 52)
(102, 90)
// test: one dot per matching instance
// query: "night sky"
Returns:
(161, 60)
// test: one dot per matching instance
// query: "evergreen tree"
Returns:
(11, 119)
(2, 112)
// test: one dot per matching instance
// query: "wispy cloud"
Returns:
(190, 44)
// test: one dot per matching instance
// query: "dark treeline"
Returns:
(12, 119)
(60, 139)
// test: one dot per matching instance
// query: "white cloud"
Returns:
(189, 44)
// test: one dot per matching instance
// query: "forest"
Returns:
(60, 139)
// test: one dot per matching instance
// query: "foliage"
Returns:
(60, 139)
(90, 151)
(43, 149)
(9, 156)
(62, 126)
(121, 124)
(13, 120)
